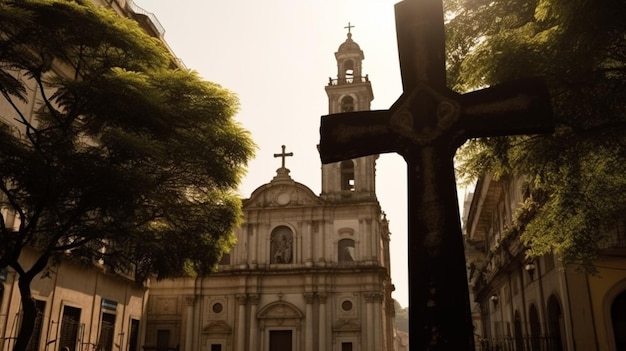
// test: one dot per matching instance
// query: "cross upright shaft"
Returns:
(426, 125)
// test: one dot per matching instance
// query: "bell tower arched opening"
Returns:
(347, 175)
(347, 104)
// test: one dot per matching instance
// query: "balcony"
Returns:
(348, 80)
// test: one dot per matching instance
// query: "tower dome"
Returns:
(349, 45)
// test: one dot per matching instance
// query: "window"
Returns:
(535, 328)
(33, 345)
(347, 175)
(348, 69)
(281, 245)
(347, 104)
(217, 307)
(618, 318)
(69, 328)
(107, 329)
(346, 250)
(133, 339)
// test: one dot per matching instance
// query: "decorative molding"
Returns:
(308, 297)
(322, 298)
(190, 300)
(217, 328)
(373, 297)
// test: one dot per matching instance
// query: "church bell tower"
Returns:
(349, 180)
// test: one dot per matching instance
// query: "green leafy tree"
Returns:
(576, 176)
(109, 154)
(401, 320)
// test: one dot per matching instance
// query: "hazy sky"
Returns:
(277, 55)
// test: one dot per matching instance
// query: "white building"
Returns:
(308, 272)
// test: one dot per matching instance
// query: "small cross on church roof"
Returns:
(349, 26)
(283, 155)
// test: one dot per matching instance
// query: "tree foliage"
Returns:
(109, 153)
(576, 176)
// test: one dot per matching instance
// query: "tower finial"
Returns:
(349, 26)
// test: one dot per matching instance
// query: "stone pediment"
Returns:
(282, 191)
(346, 325)
(217, 328)
(280, 310)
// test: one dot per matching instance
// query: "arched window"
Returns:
(348, 69)
(535, 328)
(347, 104)
(346, 250)
(556, 325)
(618, 318)
(281, 248)
(517, 326)
(347, 175)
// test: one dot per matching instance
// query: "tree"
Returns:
(110, 153)
(401, 320)
(576, 177)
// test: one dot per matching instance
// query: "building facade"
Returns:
(79, 307)
(307, 273)
(539, 304)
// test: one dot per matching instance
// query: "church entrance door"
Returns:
(281, 340)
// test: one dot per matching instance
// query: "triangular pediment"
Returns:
(218, 327)
(346, 325)
(280, 310)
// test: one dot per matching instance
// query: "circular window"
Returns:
(217, 307)
(346, 305)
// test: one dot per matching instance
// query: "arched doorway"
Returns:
(556, 326)
(618, 319)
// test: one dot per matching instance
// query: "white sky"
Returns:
(277, 55)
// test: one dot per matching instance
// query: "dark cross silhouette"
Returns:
(349, 27)
(283, 155)
(426, 125)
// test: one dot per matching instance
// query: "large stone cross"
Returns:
(426, 125)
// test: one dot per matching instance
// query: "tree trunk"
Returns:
(29, 308)
(29, 313)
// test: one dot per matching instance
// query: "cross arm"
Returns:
(344, 136)
(515, 108)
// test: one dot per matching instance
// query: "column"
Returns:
(254, 325)
(308, 332)
(190, 300)
(369, 299)
(378, 327)
(254, 237)
(324, 227)
(297, 245)
(322, 321)
(307, 242)
(241, 323)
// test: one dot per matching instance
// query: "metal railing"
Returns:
(138, 10)
(348, 80)
(523, 343)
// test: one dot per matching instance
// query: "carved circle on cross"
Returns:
(424, 115)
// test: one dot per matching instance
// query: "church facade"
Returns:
(309, 272)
